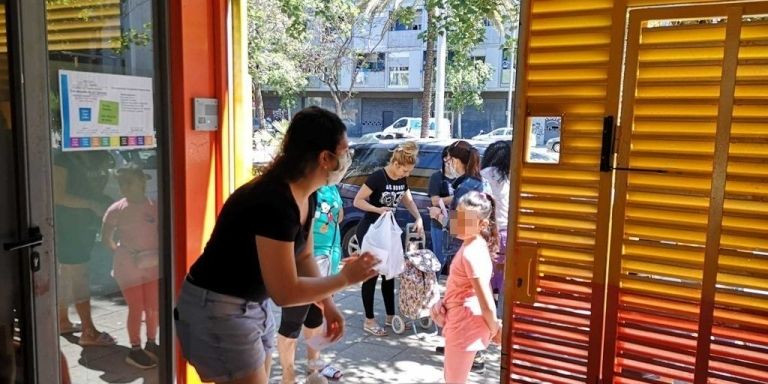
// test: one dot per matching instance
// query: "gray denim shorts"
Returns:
(224, 337)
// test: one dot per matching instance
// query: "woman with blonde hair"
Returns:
(382, 192)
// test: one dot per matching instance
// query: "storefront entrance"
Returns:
(83, 264)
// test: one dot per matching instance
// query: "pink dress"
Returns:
(465, 328)
(136, 231)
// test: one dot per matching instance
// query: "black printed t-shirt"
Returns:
(386, 193)
(230, 262)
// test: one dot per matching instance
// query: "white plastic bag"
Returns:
(383, 241)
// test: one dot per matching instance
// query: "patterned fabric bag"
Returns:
(419, 289)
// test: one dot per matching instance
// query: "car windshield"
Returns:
(400, 123)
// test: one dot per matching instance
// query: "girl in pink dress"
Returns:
(470, 321)
(130, 231)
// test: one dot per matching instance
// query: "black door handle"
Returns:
(606, 154)
(35, 239)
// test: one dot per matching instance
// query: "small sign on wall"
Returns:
(543, 139)
(206, 114)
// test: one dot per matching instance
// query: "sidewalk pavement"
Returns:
(362, 357)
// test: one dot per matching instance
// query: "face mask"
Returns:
(335, 176)
(450, 170)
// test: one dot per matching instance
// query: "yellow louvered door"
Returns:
(739, 349)
(688, 264)
(556, 337)
(75, 25)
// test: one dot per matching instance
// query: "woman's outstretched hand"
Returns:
(359, 268)
(334, 322)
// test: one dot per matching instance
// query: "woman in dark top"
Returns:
(440, 186)
(463, 166)
(382, 192)
(260, 248)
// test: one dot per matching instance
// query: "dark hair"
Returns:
(485, 205)
(468, 155)
(498, 156)
(442, 159)
(312, 131)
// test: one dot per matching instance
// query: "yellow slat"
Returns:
(568, 75)
(681, 73)
(570, 40)
(558, 190)
(670, 182)
(555, 238)
(744, 206)
(673, 147)
(565, 255)
(543, 7)
(571, 22)
(685, 34)
(676, 55)
(749, 129)
(572, 208)
(665, 234)
(553, 270)
(756, 31)
(746, 188)
(685, 273)
(676, 110)
(741, 281)
(674, 128)
(756, 242)
(754, 150)
(667, 216)
(752, 72)
(671, 164)
(747, 169)
(552, 222)
(668, 200)
(679, 255)
(571, 91)
(569, 58)
(660, 289)
(748, 52)
(689, 92)
(745, 264)
(742, 301)
(746, 224)
(564, 175)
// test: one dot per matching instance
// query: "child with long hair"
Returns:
(470, 321)
(130, 231)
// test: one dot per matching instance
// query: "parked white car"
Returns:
(411, 127)
(495, 135)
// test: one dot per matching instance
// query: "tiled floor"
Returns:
(363, 358)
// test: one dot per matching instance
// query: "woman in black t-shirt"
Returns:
(260, 248)
(382, 192)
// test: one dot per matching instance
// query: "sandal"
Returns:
(332, 373)
(375, 330)
(103, 340)
(70, 328)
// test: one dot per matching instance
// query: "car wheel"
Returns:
(556, 147)
(349, 243)
(388, 137)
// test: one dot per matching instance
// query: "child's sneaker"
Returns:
(153, 350)
(140, 359)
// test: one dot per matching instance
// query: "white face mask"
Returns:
(450, 170)
(345, 161)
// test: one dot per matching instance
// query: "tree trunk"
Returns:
(429, 69)
(259, 100)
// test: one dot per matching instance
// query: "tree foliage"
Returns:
(276, 52)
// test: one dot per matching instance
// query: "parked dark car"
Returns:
(368, 158)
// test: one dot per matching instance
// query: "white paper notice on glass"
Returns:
(104, 111)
